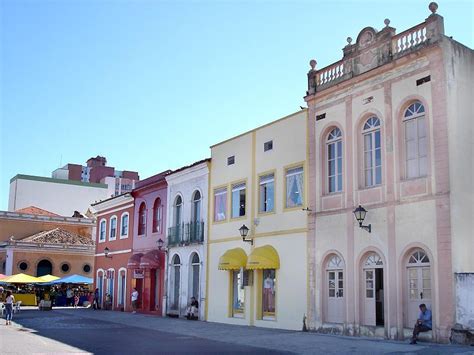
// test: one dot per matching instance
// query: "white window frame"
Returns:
(158, 210)
(333, 141)
(296, 170)
(234, 188)
(139, 221)
(102, 240)
(114, 217)
(416, 117)
(263, 180)
(124, 236)
(218, 192)
(371, 132)
(119, 287)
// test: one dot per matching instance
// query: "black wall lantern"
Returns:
(106, 253)
(160, 243)
(359, 214)
(244, 231)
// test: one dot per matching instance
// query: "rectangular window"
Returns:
(267, 193)
(294, 187)
(124, 225)
(335, 166)
(102, 231)
(238, 294)
(416, 152)
(268, 292)
(231, 160)
(267, 146)
(238, 200)
(113, 228)
(220, 203)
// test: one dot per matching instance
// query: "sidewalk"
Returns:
(272, 339)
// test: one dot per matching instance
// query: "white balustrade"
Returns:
(330, 73)
(409, 39)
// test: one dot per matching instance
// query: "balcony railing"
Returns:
(186, 233)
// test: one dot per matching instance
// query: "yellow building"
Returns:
(258, 180)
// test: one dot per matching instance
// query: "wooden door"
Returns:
(369, 297)
(335, 303)
(419, 291)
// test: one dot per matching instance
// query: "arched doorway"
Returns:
(419, 284)
(44, 267)
(373, 290)
(175, 281)
(194, 276)
(334, 292)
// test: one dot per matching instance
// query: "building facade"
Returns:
(147, 264)
(258, 179)
(187, 236)
(73, 187)
(114, 243)
(390, 126)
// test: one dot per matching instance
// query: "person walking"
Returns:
(96, 304)
(134, 300)
(9, 301)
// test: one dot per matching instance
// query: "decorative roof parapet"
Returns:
(375, 48)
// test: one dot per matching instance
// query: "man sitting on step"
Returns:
(423, 324)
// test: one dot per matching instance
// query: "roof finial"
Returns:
(349, 40)
(312, 64)
(386, 22)
(433, 7)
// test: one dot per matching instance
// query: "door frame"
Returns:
(325, 289)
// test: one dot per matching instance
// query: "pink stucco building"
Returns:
(390, 128)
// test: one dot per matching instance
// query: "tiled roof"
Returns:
(58, 236)
(37, 211)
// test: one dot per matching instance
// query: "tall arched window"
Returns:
(142, 219)
(416, 144)
(334, 160)
(157, 216)
(103, 226)
(113, 228)
(178, 204)
(194, 276)
(175, 281)
(196, 212)
(372, 152)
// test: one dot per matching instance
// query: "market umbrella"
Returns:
(73, 279)
(2, 276)
(21, 279)
(48, 278)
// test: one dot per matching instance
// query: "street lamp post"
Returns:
(106, 253)
(359, 214)
(244, 231)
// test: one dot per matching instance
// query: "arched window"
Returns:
(175, 281)
(373, 260)
(372, 152)
(142, 219)
(103, 226)
(196, 212)
(195, 268)
(113, 228)
(44, 267)
(334, 160)
(157, 216)
(416, 144)
(124, 225)
(335, 262)
(178, 204)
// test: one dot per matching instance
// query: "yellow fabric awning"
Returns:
(233, 259)
(21, 279)
(48, 278)
(265, 257)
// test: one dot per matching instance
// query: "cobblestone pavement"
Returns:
(85, 330)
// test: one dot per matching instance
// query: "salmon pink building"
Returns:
(390, 130)
(113, 249)
(147, 264)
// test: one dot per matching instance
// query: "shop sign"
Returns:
(138, 274)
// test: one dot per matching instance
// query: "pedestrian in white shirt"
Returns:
(134, 300)
(9, 301)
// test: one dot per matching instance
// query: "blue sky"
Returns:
(152, 84)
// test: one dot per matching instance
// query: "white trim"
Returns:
(101, 289)
(100, 231)
(110, 227)
(124, 236)
(115, 210)
(119, 287)
(115, 252)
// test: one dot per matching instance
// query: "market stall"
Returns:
(26, 292)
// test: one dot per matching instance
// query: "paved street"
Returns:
(101, 332)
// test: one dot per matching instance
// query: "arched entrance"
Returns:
(418, 285)
(194, 272)
(44, 267)
(334, 293)
(373, 290)
(175, 281)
